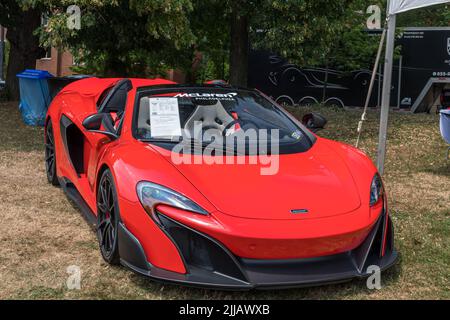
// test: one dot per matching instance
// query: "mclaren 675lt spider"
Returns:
(215, 186)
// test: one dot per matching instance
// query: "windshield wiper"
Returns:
(223, 147)
(152, 140)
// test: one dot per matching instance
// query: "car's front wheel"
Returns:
(108, 217)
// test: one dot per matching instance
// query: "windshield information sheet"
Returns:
(164, 117)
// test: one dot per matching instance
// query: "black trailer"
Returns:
(419, 76)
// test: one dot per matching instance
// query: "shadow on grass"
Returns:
(348, 289)
(15, 135)
(171, 291)
(443, 170)
(355, 287)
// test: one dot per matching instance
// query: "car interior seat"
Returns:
(211, 117)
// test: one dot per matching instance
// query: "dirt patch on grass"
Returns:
(42, 234)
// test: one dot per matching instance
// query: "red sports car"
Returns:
(215, 186)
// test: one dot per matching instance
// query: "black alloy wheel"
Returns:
(108, 217)
(50, 155)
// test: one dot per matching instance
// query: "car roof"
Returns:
(95, 86)
(194, 86)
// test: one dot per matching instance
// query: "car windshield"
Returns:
(207, 114)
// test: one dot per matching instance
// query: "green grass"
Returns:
(42, 233)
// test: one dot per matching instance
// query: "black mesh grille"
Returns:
(201, 251)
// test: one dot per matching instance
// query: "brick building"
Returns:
(57, 62)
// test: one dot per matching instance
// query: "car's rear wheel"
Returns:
(108, 217)
(50, 155)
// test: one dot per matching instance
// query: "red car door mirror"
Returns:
(93, 123)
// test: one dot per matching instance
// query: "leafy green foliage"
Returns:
(209, 21)
(147, 37)
(434, 16)
(302, 31)
(354, 48)
(128, 37)
(211, 68)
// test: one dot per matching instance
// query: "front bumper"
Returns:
(210, 264)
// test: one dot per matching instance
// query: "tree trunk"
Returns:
(239, 47)
(24, 48)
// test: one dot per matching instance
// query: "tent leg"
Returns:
(386, 98)
(372, 80)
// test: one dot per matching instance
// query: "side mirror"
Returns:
(314, 121)
(94, 122)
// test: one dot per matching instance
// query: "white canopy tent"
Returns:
(399, 6)
(394, 7)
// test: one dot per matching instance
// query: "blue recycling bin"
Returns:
(34, 96)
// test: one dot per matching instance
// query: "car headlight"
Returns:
(376, 189)
(151, 194)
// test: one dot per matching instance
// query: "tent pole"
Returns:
(399, 86)
(372, 81)
(2, 50)
(386, 97)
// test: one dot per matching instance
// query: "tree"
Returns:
(355, 49)
(123, 38)
(131, 37)
(21, 22)
(239, 42)
(300, 30)
(210, 21)
(147, 37)
(434, 16)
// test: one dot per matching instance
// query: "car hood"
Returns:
(312, 184)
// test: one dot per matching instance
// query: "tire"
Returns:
(108, 217)
(50, 155)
